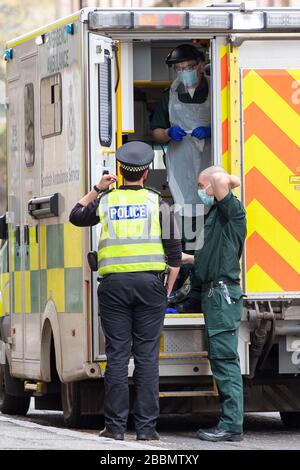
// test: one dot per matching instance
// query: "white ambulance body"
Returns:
(76, 90)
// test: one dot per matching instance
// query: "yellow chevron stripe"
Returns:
(258, 91)
(223, 50)
(259, 281)
(226, 161)
(258, 155)
(262, 222)
(295, 73)
(224, 103)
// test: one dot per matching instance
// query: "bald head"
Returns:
(212, 169)
(205, 175)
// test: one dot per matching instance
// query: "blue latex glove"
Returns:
(201, 132)
(176, 133)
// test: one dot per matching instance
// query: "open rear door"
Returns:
(102, 143)
(270, 115)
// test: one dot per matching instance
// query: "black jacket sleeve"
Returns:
(85, 216)
(171, 239)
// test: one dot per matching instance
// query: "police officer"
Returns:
(132, 297)
(182, 119)
(217, 269)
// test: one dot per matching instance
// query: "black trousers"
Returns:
(132, 307)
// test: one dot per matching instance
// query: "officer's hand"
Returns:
(176, 133)
(201, 132)
(106, 181)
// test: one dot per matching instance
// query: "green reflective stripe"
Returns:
(73, 290)
(55, 246)
(127, 241)
(132, 259)
(131, 268)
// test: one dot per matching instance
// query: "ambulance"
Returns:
(79, 88)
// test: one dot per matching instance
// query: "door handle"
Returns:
(18, 235)
(26, 234)
(44, 206)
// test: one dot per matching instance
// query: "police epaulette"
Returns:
(153, 190)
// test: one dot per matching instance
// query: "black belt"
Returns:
(211, 284)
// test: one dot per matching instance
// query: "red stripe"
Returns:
(259, 252)
(258, 187)
(259, 124)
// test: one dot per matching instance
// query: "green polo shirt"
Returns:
(224, 236)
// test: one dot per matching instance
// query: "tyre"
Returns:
(291, 419)
(11, 404)
(70, 397)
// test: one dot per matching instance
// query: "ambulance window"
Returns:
(29, 124)
(105, 101)
(51, 106)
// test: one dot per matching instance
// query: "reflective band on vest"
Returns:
(130, 239)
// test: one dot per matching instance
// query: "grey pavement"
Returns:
(45, 430)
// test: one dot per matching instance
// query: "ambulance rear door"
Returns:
(270, 121)
(102, 130)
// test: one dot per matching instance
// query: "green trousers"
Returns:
(222, 322)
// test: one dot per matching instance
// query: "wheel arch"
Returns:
(50, 330)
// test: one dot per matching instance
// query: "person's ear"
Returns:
(145, 175)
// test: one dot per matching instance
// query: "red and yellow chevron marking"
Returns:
(271, 155)
(224, 105)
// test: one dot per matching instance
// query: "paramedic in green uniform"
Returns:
(217, 269)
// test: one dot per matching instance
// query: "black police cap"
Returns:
(184, 52)
(135, 154)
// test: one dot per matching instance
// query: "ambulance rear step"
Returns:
(213, 392)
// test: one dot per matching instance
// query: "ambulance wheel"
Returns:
(291, 419)
(70, 397)
(11, 404)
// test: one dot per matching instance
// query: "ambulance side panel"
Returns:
(270, 119)
(48, 294)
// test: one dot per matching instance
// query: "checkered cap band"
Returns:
(134, 168)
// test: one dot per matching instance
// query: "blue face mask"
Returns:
(188, 77)
(205, 198)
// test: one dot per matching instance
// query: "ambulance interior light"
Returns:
(110, 19)
(215, 20)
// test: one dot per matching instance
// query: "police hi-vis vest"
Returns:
(130, 239)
